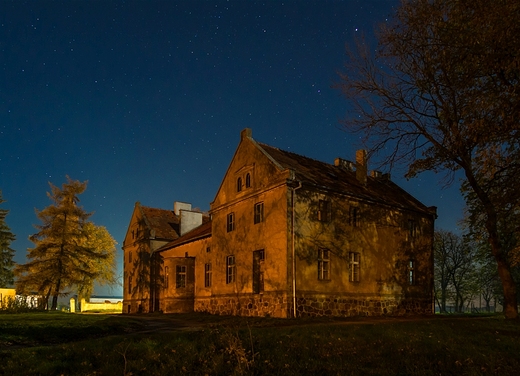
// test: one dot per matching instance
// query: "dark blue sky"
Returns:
(146, 99)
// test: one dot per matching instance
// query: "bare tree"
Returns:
(455, 270)
(442, 94)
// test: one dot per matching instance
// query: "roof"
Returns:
(164, 222)
(338, 179)
(201, 232)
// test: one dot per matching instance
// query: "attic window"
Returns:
(239, 184)
(412, 228)
(324, 211)
(353, 216)
(248, 180)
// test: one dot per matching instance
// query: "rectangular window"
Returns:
(166, 277)
(259, 212)
(230, 222)
(207, 275)
(130, 257)
(354, 267)
(180, 276)
(411, 272)
(208, 249)
(353, 218)
(323, 264)
(258, 274)
(230, 269)
(324, 211)
(129, 285)
(412, 228)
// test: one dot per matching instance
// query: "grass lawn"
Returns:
(78, 344)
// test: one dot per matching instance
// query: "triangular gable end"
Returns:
(133, 218)
(248, 156)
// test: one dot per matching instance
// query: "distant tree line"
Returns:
(466, 279)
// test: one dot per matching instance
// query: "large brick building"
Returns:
(286, 236)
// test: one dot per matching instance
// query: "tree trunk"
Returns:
(55, 296)
(504, 272)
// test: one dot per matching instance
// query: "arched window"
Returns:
(239, 184)
(248, 180)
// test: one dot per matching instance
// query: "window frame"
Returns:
(324, 210)
(166, 277)
(258, 273)
(323, 264)
(258, 212)
(354, 266)
(230, 269)
(180, 276)
(412, 268)
(230, 222)
(412, 228)
(353, 216)
(207, 275)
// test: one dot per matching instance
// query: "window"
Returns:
(166, 277)
(259, 212)
(180, 276)
(248, 180)
(208, 249)
(353, 216)
(324, 211)
(258, 274)
(239, 184)
(354, 267)
(129, 285)
(207, 275)
(130, 257)
(230, 222)
(411, 272)
(230, 269)
(412, 228)
(323, 264)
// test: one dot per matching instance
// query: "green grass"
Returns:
(51, 344)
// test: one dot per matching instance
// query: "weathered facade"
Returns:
(292, 236)
(149, 229)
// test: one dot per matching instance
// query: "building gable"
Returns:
(250, 170)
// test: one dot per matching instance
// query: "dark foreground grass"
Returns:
(227, 346)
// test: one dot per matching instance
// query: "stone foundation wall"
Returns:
(136, 306)
(272, 305)
(371, 306)
(176, 305)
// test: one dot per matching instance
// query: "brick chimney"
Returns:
(361, 166)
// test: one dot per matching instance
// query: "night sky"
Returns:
(146, 99)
